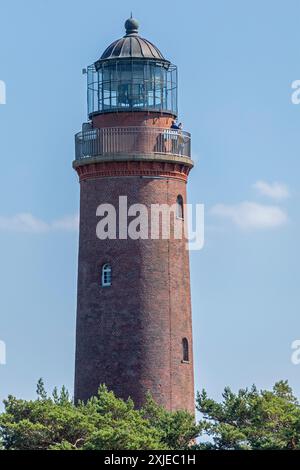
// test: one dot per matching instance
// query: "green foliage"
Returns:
(178, 429)
(40, 390)
(103, 423)
(251, 419)
(41, 423)
(118, 425)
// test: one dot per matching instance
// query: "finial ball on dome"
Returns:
(131, 26)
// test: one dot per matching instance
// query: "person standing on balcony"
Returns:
(177, 138)
(174, 125)
(180, 140)
(174, 135)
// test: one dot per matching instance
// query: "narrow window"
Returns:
(185, 350)
(179, 207)
(106, 275)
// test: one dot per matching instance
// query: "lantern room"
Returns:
(132, 75)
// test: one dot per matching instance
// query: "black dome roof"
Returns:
(132, 45)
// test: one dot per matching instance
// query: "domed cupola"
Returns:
(132, 75)
(132, 45)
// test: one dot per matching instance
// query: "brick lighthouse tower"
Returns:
(134, 325)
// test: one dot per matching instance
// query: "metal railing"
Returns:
(132, 140)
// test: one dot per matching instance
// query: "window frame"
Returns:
(106, 272)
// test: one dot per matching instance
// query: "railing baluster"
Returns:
(125, 140)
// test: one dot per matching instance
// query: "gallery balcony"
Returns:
(132, 143)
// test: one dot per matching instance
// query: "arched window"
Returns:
(179, 207)
(185, 350)
(106, 275)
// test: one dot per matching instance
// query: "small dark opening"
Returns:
(185, 350)
(179, 207)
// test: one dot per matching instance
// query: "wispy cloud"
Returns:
(250, 215)
(67, 223)
(278, 191)
(28, 223)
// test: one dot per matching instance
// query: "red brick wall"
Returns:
(129, 336)
(132, 119)
(133, 168)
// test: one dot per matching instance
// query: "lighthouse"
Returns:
(134, 323)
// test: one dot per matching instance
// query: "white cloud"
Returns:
(26, 222)
(250, 215)
(23, 223)
(68, 223)
(274, 190)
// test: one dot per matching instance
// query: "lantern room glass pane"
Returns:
(125, 85)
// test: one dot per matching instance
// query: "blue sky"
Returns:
(236, 63)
